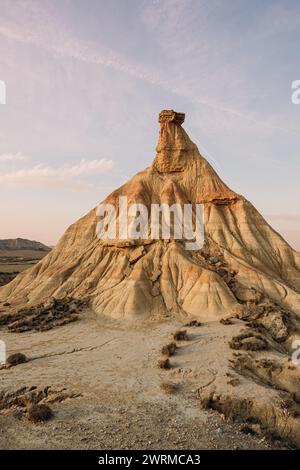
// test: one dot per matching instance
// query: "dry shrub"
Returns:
(39, 413)
(234, 382)
(226, 321)
(248, 341)
(169, 387)
(169, 349)
(180, 335)
(193, 323)
(207, 403)
(233, 408)
(164, 364)
(252, 429)
(15, 359)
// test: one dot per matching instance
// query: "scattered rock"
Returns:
(245, 294)
(273, 322)
(43, 317)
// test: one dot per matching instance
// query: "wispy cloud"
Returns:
(65, 44)
(62, 42)
(13, 157)
(65, 177)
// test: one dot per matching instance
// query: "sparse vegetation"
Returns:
(248, 341)
(226, 321)
(248, 429)
(24, 398)
(193, 324)
(234, 382)
(206, 402)
(43, 317)
(234, 409)
(180, 335)
(169, 387)
(40, 412)
(164, 364)
(15, 359)
(169, 349)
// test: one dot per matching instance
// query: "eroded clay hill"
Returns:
(243, 260)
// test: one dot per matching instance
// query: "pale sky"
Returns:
(86, 79)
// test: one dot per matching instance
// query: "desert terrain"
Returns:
(16, 255)
(107, 392)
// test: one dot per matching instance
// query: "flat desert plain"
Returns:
(102, 381)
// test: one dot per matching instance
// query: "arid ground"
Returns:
(101, 379)
(12, 262)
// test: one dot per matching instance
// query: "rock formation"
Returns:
(22, 244)
(244, 275)
(243, 260)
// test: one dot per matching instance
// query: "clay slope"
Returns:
(126, 278)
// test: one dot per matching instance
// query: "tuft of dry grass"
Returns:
(234, 382)
(38, 413)
(164, 364)
(15, 359)
(193, 324)
(206, 402)
(169, 387)
(248, 341)
(226, 321)
(180, 335)
(169, 349)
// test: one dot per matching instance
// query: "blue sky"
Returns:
(86, 80)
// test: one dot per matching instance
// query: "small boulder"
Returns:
(273, 322)
(244, 294)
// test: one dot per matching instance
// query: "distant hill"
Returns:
(22, 244)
